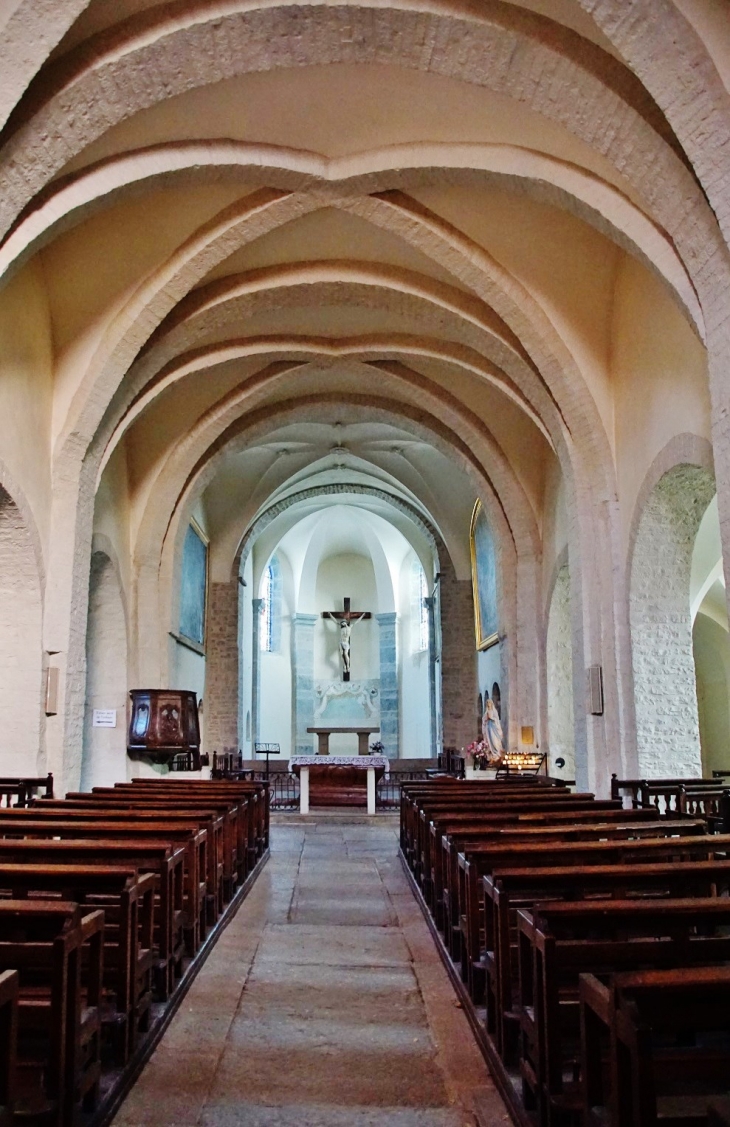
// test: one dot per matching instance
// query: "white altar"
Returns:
(301, 765)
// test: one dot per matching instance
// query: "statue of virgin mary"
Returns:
(492, 730)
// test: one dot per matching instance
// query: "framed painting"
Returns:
(194, 585)
(483, 579)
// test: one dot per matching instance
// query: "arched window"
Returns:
(271, 607)
(419, 607)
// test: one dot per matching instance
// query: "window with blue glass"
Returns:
(271, 607)
(419, 607)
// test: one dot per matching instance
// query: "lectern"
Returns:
(164, 723)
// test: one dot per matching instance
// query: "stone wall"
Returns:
(220, 708)
(458, 657)
(667, 725)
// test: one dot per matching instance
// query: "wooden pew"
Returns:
(559, 941)
(445, 831)
(9, 989)
(482, 859)
(255, 794)
(454, 841)
(20, 791)
(59, 1025)
(160, 858)
(187, 834)
(236, 812)
(666, 1034)
(127, 899)
(418, 820)
(508, 890)
(217, 820)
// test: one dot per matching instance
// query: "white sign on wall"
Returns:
(104, 718)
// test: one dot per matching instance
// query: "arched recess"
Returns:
(559, 669)
(667, 722)
(104, 757)
(21, 651)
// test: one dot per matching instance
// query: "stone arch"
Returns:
(21, 647)
(667, 724)
(545, 179)
(559, 671)
(104, 755)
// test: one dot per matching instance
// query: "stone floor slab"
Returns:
(323, 1004)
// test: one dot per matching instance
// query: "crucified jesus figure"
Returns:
(345, 619)
(345, 635)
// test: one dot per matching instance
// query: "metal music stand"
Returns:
(268, 749)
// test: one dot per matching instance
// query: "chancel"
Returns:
(365, 494)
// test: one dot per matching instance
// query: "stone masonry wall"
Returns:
(667, 725)
(220, 709)
(458, 657)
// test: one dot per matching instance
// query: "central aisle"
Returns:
(324, 1003)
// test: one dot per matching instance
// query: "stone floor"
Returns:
(324, 1003)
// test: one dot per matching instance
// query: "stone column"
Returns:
(432, 660)
(221, 710)
(458, 658)
(389, 703)
(257, 605)
(303, 675)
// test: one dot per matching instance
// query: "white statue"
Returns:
(345, 625)
(492, 730)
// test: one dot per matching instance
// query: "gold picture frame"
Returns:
(483, 579)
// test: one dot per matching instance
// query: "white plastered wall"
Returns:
(104, 760)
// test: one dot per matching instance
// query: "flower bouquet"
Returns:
(482, 755)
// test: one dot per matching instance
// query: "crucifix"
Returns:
(345, 618)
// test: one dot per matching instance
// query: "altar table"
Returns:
(323, 734)
(338, 780)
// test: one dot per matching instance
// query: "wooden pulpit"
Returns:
(164, 723)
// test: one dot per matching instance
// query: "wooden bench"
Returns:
(656, 1047)
(127, 899)
(9, 990)
(160, 858)
(453, 842)
(220, 819)
(557, 942)
(508, 890)
(254, 794)
(20, 791)
(57, 952)
(187, 834)
(478, 860)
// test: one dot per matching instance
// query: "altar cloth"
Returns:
(361, 761)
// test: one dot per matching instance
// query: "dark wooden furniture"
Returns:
(163, 724)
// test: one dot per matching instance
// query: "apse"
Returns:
(343, 552)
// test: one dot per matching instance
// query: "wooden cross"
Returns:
(346, 616)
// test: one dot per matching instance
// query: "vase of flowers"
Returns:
(377, 747)
(482, 755)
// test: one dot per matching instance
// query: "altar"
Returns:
(338, 780)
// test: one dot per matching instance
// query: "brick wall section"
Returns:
(458, 657)
(220, 710)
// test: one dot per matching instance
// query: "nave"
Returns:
(323, 1004)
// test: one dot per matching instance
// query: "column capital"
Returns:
(304, 619)
(387, 618)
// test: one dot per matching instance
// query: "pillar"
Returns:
(459, 687)
(432, 673)
(303, 676)
(257, 605)
(389, 704)
(222, 708)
